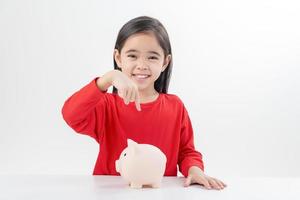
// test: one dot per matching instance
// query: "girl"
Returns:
(139, 107)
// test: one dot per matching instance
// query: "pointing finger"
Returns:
(137, 101)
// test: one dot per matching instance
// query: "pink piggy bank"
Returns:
(141, 164)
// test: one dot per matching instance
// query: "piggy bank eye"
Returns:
(124, 154)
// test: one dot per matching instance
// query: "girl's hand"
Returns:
(127, 89)
(196, 175)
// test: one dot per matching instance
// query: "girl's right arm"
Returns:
(85, 110)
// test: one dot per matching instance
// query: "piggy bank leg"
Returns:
(135, 185)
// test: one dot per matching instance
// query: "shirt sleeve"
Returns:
(85, 110)
(188, 156)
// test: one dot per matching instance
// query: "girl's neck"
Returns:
(148, 96)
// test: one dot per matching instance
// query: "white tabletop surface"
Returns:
(84, 187)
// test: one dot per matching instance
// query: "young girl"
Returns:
(139, 107)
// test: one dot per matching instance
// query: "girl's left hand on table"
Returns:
(196, 175)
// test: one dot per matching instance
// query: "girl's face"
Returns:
(142, 60)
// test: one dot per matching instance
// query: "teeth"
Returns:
(141, 76)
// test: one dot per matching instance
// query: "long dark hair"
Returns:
(148, 24)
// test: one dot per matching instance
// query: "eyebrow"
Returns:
(136, 51)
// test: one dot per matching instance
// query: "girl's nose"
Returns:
(142, 65)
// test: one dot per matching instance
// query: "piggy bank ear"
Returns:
(133, 146)
(131, 143)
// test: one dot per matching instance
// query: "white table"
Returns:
(73, 187)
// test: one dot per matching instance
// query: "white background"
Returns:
(236, 68)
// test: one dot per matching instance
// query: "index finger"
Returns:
(137, 101)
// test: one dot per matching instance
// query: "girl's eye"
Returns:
(131, 56)
(153, 58)
(124, 154)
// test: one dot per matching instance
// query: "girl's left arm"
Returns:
(188, 156)
(190, 161)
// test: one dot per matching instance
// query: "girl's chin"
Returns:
(142, 87)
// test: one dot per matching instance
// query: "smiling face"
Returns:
(142, 59)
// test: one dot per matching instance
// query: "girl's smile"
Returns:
(140, 78)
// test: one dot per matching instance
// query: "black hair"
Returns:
(145, 24)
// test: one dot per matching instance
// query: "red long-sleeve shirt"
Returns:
(105, 117)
